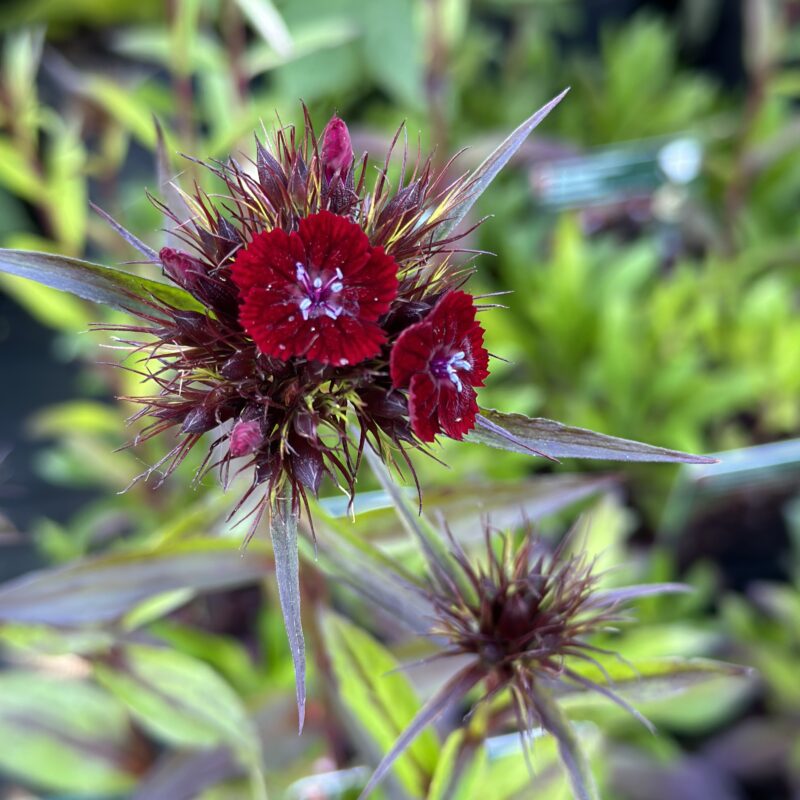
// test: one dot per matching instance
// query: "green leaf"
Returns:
(268, 23)
(67, 184)
(180, 700)
(457, 778)
(63, 735)
(283, 530)
(508, 775)
(102, 589)
(313, 36)
(17, 175)
(86, 416)
(93, 282)
(44, 640)
(527, 435)
(380, 699)
(184, 29)
(394, 50)
(226, 655)
(690, 695)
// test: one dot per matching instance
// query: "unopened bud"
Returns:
(199, 420)
(180, 266)
(246, 438)
(337, 149)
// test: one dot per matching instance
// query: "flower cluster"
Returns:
(320, 302)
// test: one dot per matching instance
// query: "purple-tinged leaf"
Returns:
(604, 691)
(652, 679)
(370, 578)
(625, 594)
(556, 440)
(491, 166)
(514, 442)
(417, 526)
(283, 530)
(185, 775)
(134, 241)
(573, 757)
(455, 689)
(102, 589)
(93, 282)
(175, 200)
(507, 504)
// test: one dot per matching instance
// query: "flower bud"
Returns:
(180, 266)
(199, 420)
(238, 367)
(307, 465)
(246, 438)
(337, 150)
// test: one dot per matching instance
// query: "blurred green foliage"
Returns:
(679, 327)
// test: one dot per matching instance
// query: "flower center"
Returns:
(446, 367)
(318, 297)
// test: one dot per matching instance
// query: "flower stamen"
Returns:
(445, 367)
(319, 297)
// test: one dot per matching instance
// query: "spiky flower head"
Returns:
(524, 615)
(323, 303)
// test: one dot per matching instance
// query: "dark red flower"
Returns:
(440, 360)
(316, 293)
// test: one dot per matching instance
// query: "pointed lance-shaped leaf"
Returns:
(478, 181)
(133, 240)
(648, 680)
(573, 757)
(94, 282)
(521, 434)
(165, 176)
(419, 529)
(98, 590)
(283, 530)
(455, 689)
(626, 594)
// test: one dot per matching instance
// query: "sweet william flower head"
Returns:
(324, 305)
